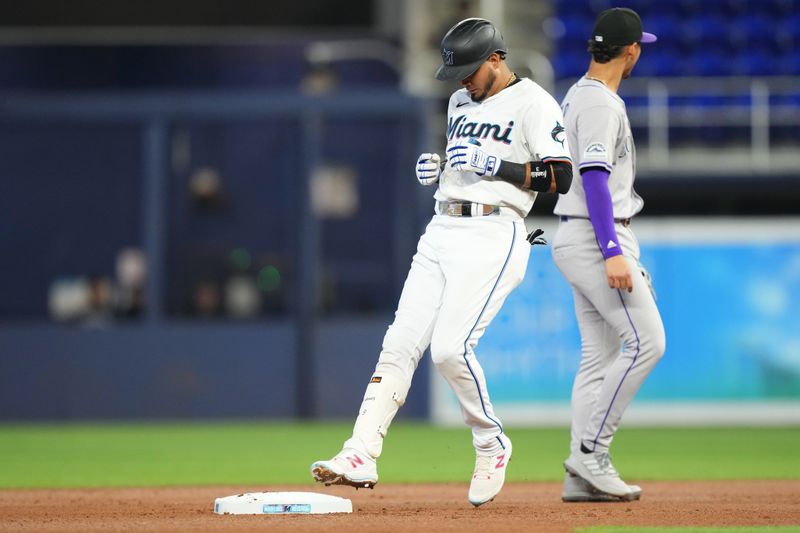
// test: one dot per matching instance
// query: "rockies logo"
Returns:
(447, 56)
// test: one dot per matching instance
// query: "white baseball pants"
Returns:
(463, 270)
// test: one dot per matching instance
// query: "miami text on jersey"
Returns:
(458, 127)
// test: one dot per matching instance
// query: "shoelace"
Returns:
(604, 462)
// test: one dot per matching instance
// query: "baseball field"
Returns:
(165, 477)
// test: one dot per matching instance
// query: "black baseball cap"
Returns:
(620, 26)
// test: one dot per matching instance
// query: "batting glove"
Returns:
(536, 237)
(428, 168)
(468, 157)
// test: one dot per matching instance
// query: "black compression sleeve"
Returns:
(512, 172)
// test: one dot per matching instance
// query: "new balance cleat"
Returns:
(489, 475)
(348, 467)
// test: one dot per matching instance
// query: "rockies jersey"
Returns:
(599, 135)
(521, 123)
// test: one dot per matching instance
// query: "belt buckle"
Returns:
(454, 209)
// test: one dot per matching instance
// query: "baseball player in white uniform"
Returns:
(506, 143)
(595, 249)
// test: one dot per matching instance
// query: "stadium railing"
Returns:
(724, 125)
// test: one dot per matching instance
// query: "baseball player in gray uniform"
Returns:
(505, 144)
(622, 336)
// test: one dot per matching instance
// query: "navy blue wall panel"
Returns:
(346, 353)
(199, 370)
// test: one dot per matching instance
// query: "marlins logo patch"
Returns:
(447, 57)
(557, 134)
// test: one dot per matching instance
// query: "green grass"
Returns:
(744, 529)
(80, 455)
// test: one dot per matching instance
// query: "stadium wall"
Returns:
(728, 292)
(185, 371)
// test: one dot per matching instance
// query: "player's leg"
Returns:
(403, 345)
(635, 318)
(576, 255)
(482, 264)
(600, 346)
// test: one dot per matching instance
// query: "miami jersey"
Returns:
(600, 136)
(521, 123)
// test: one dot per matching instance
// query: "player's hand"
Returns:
(428, 168)
(466, 156)
(619, 273)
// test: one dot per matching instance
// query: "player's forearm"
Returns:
(601, 210)
(540, 176)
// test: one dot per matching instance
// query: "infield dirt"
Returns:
(520, 507)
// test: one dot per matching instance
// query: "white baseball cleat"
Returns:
(576, 489)
(596, 469)
(348, 467)
(489, 475)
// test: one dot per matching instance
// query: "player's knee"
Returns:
(657, 340)
(659, 344)
(648, 344)
(653, 345)
(443, 352)
(448, 366)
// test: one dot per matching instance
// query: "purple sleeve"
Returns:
(601, 211)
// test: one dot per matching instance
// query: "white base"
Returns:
(282, 503)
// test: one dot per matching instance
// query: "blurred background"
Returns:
(208, 208)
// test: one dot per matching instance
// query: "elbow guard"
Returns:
(554, 176)
(538, 175)
(562, 173)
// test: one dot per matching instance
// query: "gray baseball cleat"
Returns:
(577, 489)
(596, 469)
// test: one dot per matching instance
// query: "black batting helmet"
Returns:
(466, 46)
